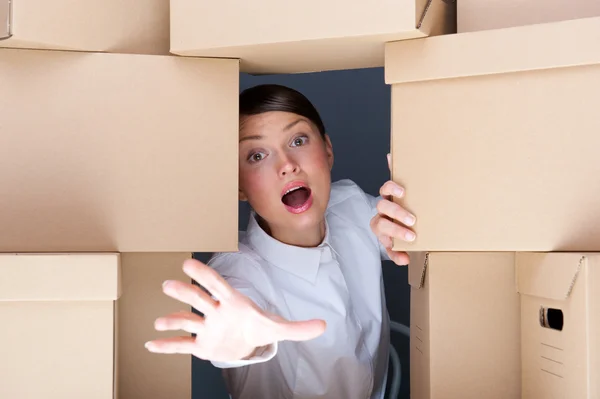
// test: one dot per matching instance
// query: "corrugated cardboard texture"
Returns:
(476, 15)
(142, 374)
(465, 327)
(59, 277)
(272, 36)
(111, 152)
(500, 161)
(53, 343)
(118, 26)
(559, 363)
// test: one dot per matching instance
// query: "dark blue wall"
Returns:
(355, 107)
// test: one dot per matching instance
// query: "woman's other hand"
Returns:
(392, 220)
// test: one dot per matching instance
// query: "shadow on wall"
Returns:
(355, 107)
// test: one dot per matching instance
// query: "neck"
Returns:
(306, 238)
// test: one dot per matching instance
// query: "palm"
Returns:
(232, 326)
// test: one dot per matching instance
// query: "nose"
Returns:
(288, 166)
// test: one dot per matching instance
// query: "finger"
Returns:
(395, 211)
(191, 295)
(208, 278)
(391, 188)
(185, 321)
(298, 330)
(399, 258)
(389, 161)
(183, 345)
(386, 241)
(385, 227)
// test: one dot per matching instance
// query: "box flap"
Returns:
(5, 19)
(437, 17)
(548, 275)
(417, 269)
(59, 277)
(524, 48)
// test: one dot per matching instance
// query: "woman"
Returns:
(299, 311)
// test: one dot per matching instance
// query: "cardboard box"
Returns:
(495, 137)
(560, 318)
(58, 325)
(76, 324)
(118, 26)
(477, 15)
(114, 152)
(142, 374)
(271, 36)
(465, 326)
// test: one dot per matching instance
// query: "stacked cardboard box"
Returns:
(105, 144)
(117, 26)
(494, 136)
(110, 140)
(477, 15)
(75, 324)
(271, 36)
(111, 129)
(505, 325)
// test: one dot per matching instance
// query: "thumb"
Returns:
(298, 330)
(389, 161)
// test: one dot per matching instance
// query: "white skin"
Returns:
(275, 148)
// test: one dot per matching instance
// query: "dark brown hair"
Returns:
(272, 97)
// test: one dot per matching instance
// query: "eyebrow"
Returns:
(256, 137)
(287, 127)
(291, 125)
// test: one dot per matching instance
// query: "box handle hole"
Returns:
(551, 318)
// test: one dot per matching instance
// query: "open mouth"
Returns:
(297, 199)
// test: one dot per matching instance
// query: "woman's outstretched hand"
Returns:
(391, 221)
(233, 326)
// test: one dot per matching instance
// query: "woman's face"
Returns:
(285, 170)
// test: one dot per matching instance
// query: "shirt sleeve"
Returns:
(372, 202)
(230, 267)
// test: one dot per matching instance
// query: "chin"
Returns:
(305, 220)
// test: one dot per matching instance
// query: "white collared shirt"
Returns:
(341, 282)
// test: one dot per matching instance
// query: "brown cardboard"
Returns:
(118, 26)
(477, 15)
(4, 19)
(271, 36)
(113, 152)
(560, 316)
(57, 334)
(494, 137)
(142, 374)
(465, 326)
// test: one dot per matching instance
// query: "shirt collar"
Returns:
(301, 262)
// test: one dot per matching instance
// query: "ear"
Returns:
(242, 196)
(329, 150)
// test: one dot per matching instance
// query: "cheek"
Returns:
(256, 183)
(317, 162)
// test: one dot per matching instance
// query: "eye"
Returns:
(299, 141)
(256, 157)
